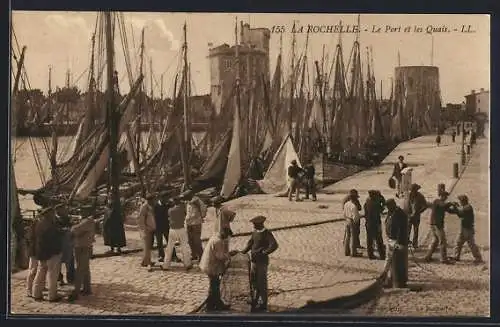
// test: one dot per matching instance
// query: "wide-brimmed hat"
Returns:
(463, 197)
(390, 202)
(258, 219)
(415, 187)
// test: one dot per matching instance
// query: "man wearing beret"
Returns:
(439, 208)
(373, 212)
(466, 214)
(415, 206)
(351, 209)
(261, 244)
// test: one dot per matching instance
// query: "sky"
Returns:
(62, 40)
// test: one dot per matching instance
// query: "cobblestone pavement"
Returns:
(460, 289)
(309, 264)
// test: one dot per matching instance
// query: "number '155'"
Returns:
(278, 29)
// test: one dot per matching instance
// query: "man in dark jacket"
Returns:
(373, 224)
(453, 136)
(416, 205)
(293, 173)
(397, 173)
(396, 229)
(261, 244)
(161, 208)
(466, 214)
(48, 251)
(309, 172)
(439, 208)
(68, 257)
(113, 231)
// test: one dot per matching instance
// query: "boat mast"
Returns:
(139, 104)
(19, 70)
(292, 80)
(113, 124)
(186, 149)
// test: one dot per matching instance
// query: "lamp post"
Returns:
(462, 151)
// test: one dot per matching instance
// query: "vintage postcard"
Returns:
(234, 163)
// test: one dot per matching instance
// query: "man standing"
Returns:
(33, 261)
(113, 231)
(396, 229)
(293, 174)
(373, 212)
(48, 251)
(83, 233)
(397, 173)
(67, 258)
(177, 233)
(438, 209)
(147, 228)
(453, 136)
(309, 172)
(161, 221)
(352, 217)
(213, 262)
(415, 206)
(261, 244)
(466, 214)
(196, 210)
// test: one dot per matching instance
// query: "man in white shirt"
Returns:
(147, 227)
(352, 217)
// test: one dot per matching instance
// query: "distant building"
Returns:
(478, 102)
(253, 51)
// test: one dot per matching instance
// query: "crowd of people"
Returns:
(56, 240)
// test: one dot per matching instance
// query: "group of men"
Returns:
(301, 176)
(400, 223)
(180, 222)
(52, 240)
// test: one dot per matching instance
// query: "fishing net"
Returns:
(235, 283)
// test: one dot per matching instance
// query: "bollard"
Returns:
(468, 149)
(455, 170)
(441, 188)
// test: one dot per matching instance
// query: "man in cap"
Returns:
(83, 235)
(293, 173)
(48, 252)
(466, 214)
(415, 205)
(397, 173)
(215, 259)
(352, 209)
(196, 211)
(439, 207)
(147, 228)
(396, 229)
(261, 244)
(309, 172)
(373, 212)
(178, 233)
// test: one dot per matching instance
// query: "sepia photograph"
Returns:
(166, 164)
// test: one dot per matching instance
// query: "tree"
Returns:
(67, 95)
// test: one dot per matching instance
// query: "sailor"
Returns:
(309, 172)
(415, 206)
(351, 209)
(373, 224)
(113, 231)
(438, 209)
(48, 251)
(261, 244)
(178, 234)
(196, 211)
(397, 173)
(293, 173)
(216, 255)
(396, 225)
(466, 214)
(147, 228)
(83, 235)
